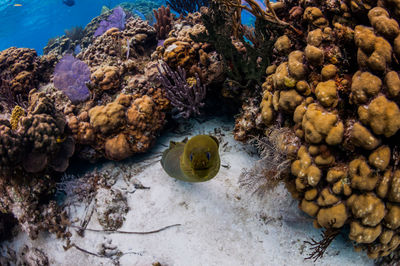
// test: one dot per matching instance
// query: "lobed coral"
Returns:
(338, 93)
(123, 127)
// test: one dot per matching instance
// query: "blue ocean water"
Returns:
(31, 23)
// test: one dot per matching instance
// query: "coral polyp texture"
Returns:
(337, 89)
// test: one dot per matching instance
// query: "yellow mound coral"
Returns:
(361, 175)
(374, 52)
(382, 23)
(326, 93)
(380, 158)
(267, 111)
(315, 17)
(392, 82)
(320, 125)
(179, 54)
(382, 115)
(332, 217)
(307, 173)
(106, 119)
(295, 65)
(368, 208)
(364, 86)
(346, 116)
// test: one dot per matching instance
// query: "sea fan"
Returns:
(71, 76)
(115, 20)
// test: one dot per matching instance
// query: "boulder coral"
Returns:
(123, 127)
(21, 64)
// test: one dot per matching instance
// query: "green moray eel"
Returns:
(195, 160)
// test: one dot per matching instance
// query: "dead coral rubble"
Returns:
(338, 92)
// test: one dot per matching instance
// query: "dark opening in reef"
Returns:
(7, 223)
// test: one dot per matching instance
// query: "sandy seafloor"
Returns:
(221, 223)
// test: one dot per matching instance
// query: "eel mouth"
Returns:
(201, 169)
(201, 172)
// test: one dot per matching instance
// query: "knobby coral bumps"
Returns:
(338, 93)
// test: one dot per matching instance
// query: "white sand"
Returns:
(221, 224)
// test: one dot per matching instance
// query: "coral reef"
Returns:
(118, 114)
(337, 91)
(182, 49)
(111, 47)
(115, 20)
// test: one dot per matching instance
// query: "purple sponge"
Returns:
(71, 76)
(115, 20)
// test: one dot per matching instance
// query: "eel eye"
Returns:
(191, 157)
(208, 155)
